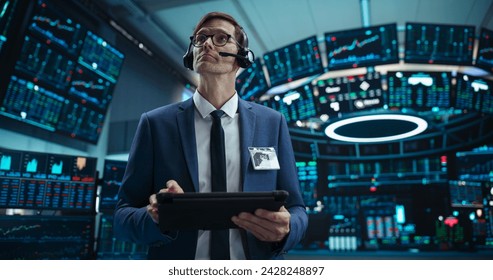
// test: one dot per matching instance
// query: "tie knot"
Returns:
(216, 115)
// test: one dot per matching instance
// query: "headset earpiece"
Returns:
(246, 58)
(188, 57)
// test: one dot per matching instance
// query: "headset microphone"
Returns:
(245, 57)
(230, 54)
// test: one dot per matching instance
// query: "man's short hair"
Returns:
(239, 32)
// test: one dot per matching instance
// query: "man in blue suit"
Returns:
(170, 153)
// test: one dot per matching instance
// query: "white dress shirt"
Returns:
(230, 123)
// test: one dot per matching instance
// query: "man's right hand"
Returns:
(170, 187)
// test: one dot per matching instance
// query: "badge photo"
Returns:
(264, 158)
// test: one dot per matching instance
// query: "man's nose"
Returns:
(208, 42)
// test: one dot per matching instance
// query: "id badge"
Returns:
(264, 158)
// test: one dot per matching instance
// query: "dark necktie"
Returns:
(219, 246)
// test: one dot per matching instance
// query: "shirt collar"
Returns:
(204, 107)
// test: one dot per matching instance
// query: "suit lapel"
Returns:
(186, 127)
(247, 132)
(247, 129)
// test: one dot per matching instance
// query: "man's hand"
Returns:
(265, 225)
(170, 187)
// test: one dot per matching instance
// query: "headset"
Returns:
(245, 57)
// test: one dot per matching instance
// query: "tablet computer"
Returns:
(212, 210)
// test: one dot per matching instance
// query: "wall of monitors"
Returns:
(62, 75)
(43, 181)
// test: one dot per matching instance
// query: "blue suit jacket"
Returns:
(164, 148)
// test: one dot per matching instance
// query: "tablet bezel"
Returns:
(212, 210)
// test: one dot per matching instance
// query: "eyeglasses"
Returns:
(218, 39)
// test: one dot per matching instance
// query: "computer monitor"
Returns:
(362, 47)
(100, 57)
(295, 61)
(111, 183)
(296, 104)
(473, 94)
(251, 82)
(475, 165)
(466, 194)
(308, 178)
(45, 181)
(9, 9)
(439, 43)
(342, 95)
(110, 248)
(41, 237)
(419, 90)
(484, 55)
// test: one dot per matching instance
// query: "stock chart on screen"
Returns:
(43, 181)
(362, 47)
(295, 61)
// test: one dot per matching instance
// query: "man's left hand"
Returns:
(266, 225)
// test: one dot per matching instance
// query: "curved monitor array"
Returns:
(367, 47)
(417, 90)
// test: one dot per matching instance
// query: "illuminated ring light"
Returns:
(416, 126)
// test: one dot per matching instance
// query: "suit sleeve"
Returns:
(288, 180)
(131, 220)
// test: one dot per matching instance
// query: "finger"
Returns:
(263, 212)
(275, 223)
(262, 233)
(171, 183)
(153, 212)
(247, 224)
(271, 221)
(173, 187)
(247, 221)
(152, 208)
(281, 217)
(167, 186)
(153, 200)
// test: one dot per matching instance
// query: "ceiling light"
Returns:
(375, 128)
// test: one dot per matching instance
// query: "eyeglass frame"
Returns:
(212, 39)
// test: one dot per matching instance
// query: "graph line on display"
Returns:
(13, 230)
(355, 44)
